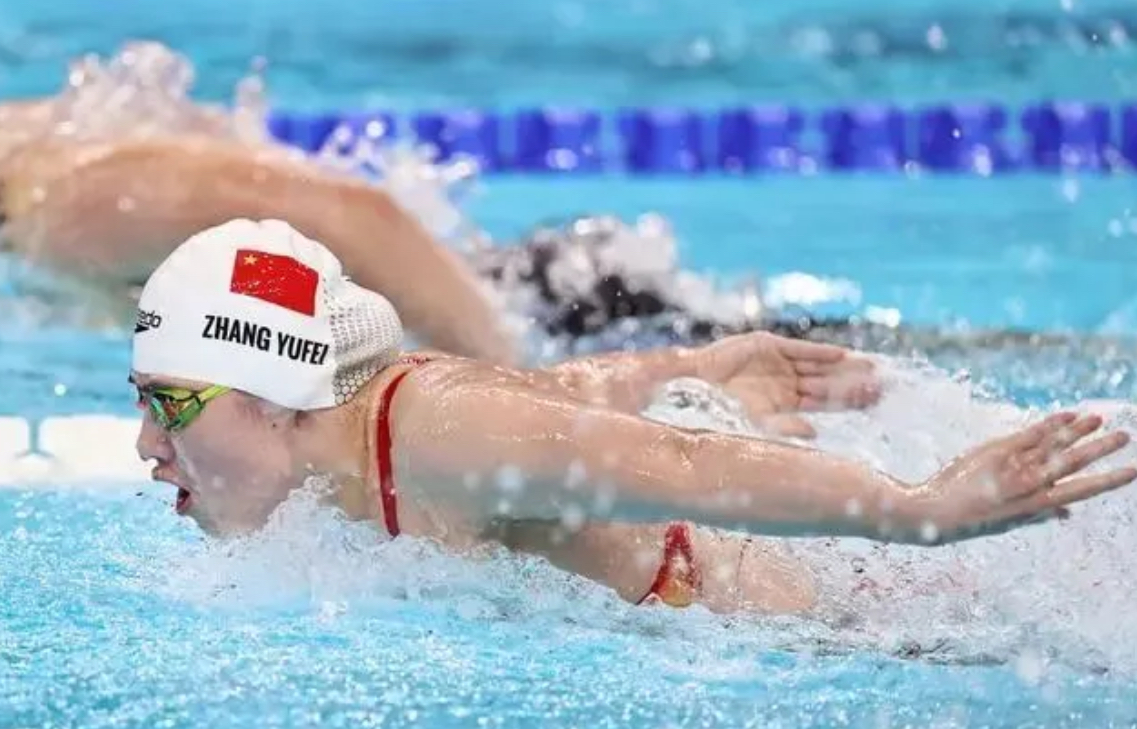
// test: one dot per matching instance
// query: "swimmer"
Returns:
(258, 364)
(97, 189)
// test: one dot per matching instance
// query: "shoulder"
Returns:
(434, 380)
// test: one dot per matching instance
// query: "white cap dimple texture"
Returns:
(259, 307)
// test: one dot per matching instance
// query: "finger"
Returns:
(841, 390)
(1076, 489)
(807, 352)
(1031, 436)
(1064, 437)
(1075, 459)
(823, 395)
(851, 364)
(790, 426)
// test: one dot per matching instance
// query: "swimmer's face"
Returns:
(231, 464)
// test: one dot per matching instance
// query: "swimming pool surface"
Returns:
(117, 614)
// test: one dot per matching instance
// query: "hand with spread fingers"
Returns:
(1027, 476)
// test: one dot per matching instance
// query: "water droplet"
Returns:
(510, 480)
(572, 517)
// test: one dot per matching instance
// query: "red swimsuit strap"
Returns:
(387, 490)
(678, 569)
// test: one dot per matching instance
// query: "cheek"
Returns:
(238, 477)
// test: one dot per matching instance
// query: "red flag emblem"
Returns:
(280, 280)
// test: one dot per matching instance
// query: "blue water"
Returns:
(114, 613)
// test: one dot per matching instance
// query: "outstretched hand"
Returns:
(1024, 477)
(775, 377)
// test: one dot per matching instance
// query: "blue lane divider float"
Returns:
(760, 138)
(967, 138)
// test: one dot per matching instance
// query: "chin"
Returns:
(204, 522)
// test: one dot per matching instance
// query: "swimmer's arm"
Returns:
(771, 373)
(605, 465)
(501, 449)
(624, 381)
(122, 208)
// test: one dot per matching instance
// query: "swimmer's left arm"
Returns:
(493, 447)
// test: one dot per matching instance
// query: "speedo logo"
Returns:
(146, 321)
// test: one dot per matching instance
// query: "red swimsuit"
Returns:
(677, 582)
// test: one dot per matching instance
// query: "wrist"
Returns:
(898, 512)
(916, 517)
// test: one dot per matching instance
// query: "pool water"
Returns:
(115, 613)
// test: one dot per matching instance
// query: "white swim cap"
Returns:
(256, 306)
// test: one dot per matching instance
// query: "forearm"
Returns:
(764, 487)
(626, 382)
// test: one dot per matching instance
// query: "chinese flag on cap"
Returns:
(280, 280)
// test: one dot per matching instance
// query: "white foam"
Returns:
(145, 88)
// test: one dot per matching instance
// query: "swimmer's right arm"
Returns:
(540, 456)
(766, 372)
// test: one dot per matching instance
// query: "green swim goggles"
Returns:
(174, 408)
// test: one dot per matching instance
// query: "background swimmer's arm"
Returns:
(537, 455)
(118, 210)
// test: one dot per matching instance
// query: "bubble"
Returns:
(572, 517)
(575, 475)
(510, 480)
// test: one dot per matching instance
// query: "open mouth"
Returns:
(183, 502)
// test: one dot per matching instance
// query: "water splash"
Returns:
(144, 89)
(410, 172)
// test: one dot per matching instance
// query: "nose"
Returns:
(153, 442)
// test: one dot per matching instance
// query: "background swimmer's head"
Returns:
(265, 317)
